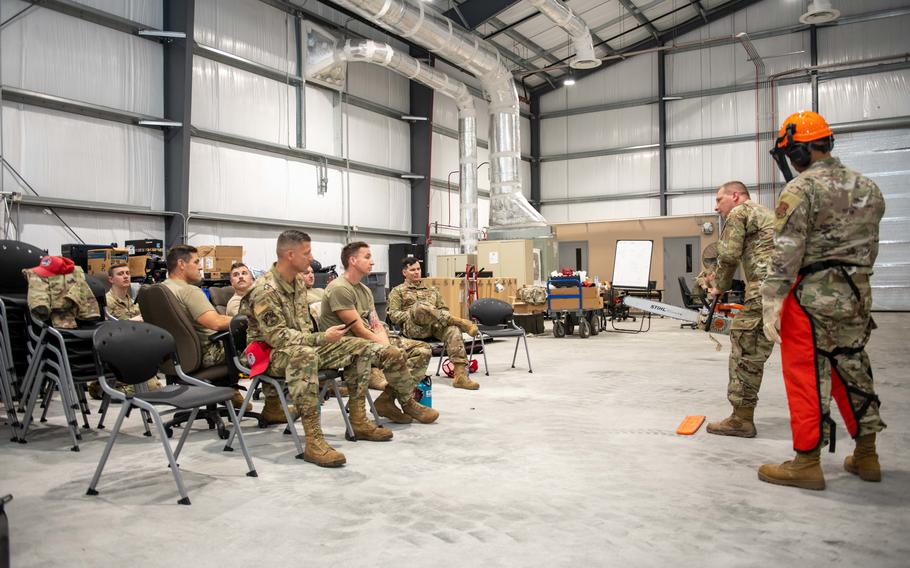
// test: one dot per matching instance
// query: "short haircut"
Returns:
(179, 252)
(110, 271)
(739, 186)
(237, 265)
(351, 249)
(289, 239)
(408, 261)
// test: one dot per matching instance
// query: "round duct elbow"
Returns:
(819, 12)
(583, 63)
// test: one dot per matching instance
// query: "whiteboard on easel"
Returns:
(632, 264)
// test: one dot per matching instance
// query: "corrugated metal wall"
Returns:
(600, 156)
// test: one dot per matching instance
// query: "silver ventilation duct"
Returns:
(511, 216)
(563, 17)
(367, 51)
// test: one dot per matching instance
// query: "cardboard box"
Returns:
(137, 265)
(140, 247)
(590, 299)
(219, 258)
(101, 260)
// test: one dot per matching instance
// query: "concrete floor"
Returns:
(576, 464)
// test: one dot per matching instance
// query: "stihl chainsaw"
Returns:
(716, 319)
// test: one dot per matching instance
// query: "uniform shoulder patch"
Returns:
(269, 318)
(782, 209)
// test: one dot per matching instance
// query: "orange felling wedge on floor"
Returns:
(690, 425)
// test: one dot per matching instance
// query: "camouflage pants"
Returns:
(426, 322)
(417, 355)
(749, 351)
(840, 319)
(212, 354)
(299, 365)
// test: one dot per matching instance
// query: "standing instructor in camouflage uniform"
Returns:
(421, 314)
(748, 237)
(818, 300)
(279, 320)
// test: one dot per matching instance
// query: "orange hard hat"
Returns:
(808, 126)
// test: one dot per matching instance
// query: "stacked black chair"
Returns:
(495, 319)
(132, 352)
(691, 301)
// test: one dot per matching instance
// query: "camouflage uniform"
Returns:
(61, 300)
(279, 315)
(825, 247)
(421, 314)
(122, 309)
(533, 295)
(748, 237)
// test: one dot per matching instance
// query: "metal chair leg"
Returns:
(527, 353)
(243, 408)
(175, 471)
(246, 454)
(105, 403)
(515, 353)
(483, 347)
(344, 414)
(107, 450)
(186, 432)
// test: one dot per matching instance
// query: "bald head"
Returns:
(729, 195)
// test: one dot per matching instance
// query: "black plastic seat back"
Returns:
(239, 325)
(99, 290)
(14, 257)
(132, 350)
(491, 312)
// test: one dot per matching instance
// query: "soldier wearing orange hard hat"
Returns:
(817, 301)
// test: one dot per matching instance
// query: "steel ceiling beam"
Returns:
(692, 24)
(636, 13)
(472, 13)
(701, 9)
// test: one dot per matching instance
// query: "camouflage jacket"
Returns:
(404, 296)
(827, 213)
(533, 295)
(748, 238)
(279, 313)
(121, 309)
(61, 300)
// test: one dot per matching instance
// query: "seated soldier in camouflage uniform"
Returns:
(348, 301)
(120, 304)
(183, 273)
(421, 314)
(278, 311)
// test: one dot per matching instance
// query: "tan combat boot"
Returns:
(864, 461)
(364, 428)
(317, 450)
(377, 379)
(740, 424)
(467, 326)
(237, 399)
(461, 380)
(272, 412)
(419, 412)
(385, 407)
(805, 471)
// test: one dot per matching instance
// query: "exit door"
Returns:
(682, 257)
(574, 255)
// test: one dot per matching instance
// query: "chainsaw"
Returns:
(717, 319)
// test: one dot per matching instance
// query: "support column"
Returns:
(535, 152)
(178, 97)
(421, 150)
(813, 60)
(662, 129)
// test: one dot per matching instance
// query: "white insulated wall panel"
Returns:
(56, 54)
(236, 181)
(863, 40)
(251, 30)
(379, 85)
(690, 204)
(633, 78)
(725, 65)
(880, 95)
(445, 160)
(444, 209)
(379, 202)
(766, 15)
(728, 114)
(142, 11)
(602, 175)
(709, 166)
(377, 139)
(231, 100)
(601, 210)
(619, 128)
(852, 7)
(321, 121)
(790, 99)
(76, 157)
(46, 231)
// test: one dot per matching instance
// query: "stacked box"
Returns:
(101, 260)
(149, 247)
(216, 260)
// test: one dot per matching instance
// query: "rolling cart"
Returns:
(565, 315)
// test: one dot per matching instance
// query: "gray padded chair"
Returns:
(495, 319)
(133, 351)
(220, 296)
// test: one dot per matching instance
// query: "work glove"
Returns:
(771, 307)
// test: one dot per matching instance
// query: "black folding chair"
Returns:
(133, 351)
(495, 319)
